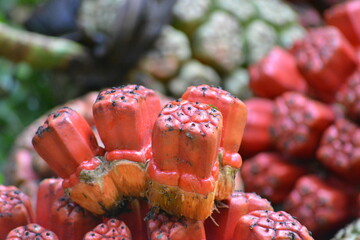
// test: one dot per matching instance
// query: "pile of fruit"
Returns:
(172, 166)
(301, 144)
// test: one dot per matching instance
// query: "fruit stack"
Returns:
(301, 143)
(179, 161)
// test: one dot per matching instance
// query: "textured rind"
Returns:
(112, 229)
(162, 226)
(31, 232)
(270, 225)
(349, 232)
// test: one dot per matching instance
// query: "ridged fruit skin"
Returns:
(50, 189)
(349, 97)
(113, 229)
(229, 211)
(92, 187)
(234, 114)
(299, 123)
(257, 136)
(339, 149)
(346, 17)
(318, 205)
(275, 74)
(65, 140)
(162, 226)
(269, 225)
(349, 232)
(183, 172)
(270, 175)
(325, 58)
(31, 232)
(15, 209)
(124, 117)
(69, 221)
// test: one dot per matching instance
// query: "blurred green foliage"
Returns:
(24, 92)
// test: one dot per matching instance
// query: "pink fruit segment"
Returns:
(113, 229)
(64, 141)
(31, 232)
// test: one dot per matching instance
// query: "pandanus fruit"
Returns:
(234, 114)
(15, 209)
(31, 232)
(269, 225)
(184, 169)
(113, 229)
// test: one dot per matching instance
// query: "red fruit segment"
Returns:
(270, 175)
(186, 141)
(325, 58)
(64, 141)
(49, 191)
(339, 150)
(31, 232)
(257, 130)
(349, 97)
(15, 209)
(231, 209)
(299, 123)
(69, 221)
(162, 226)
(275, 74)
(318, 205)
(124, 118)
(270, 225)
(234, 114)
(346, 18)
(113, 229)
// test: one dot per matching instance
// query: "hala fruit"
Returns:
(275, 74)
(263, 224)
(270, 175)
(113, 229)
(325, 58)
(31, 232)
(318, 205)
(184, 169)
(349, 232)
(162, 226)
(15, 209)
(222, 223)
(124, 118)
(339, 150)
(299, 123)
(234, 114)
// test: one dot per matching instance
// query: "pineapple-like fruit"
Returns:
(213, 41)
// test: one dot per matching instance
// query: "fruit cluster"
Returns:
(301, 142)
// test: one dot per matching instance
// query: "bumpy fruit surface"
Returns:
(31, 232)
(184, 169)
(318, 205)
(275, 74)
(270, 225)
(349, 232)
(270, 175)
(234, 114)
(339, 150)
(325, 58)
(15, 209)
(112, 229)
(299, 123)
(162, 226)
(222, 223)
